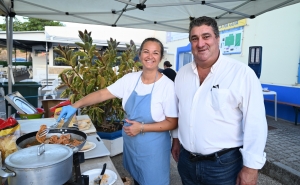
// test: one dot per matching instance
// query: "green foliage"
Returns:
(88, 75)
(4, 63)
(32, 24)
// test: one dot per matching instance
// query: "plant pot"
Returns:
(113, 141)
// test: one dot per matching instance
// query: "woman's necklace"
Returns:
(149, 83)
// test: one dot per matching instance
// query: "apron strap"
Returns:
(140, 78)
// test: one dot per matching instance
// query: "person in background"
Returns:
(150, 103)
(222, 127)
(160, 70)
(169, 72)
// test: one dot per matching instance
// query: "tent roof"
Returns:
(165, 15)
(23, 44)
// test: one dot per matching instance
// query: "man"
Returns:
(222, 128)
(169, 72)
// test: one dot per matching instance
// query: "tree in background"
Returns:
(32, 24)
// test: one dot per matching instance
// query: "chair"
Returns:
(50, 90)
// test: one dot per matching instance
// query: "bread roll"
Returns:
(84, 124)
(87, 146)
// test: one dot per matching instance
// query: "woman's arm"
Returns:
(93, 98)
(167, 124)
(139, 128)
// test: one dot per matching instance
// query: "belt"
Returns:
(211, 157)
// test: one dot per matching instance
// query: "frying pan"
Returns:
(29, 138)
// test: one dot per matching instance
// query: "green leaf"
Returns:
(81, 54)
(79, 44)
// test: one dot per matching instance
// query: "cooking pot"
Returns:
(29, 138)
(46, 164)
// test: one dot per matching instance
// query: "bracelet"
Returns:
(142, 128)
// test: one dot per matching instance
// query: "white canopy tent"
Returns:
(164, 15)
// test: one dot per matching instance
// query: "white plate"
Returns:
(93, 174)
(92, 143)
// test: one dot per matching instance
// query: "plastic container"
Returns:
(33, 116)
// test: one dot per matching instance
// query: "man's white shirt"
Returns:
(226, 111)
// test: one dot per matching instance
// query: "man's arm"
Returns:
(254, 130)
(247, 176)
(175, 149)
(175, 145)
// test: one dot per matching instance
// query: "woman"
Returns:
(150, 104)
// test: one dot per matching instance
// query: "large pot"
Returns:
(46, 164)
(29, 138)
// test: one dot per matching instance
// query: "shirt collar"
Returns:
(216, 64)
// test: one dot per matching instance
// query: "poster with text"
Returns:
(231, 41)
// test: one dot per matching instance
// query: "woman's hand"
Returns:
(66, 112)
(134, 129)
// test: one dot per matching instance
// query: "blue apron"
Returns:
(146, 156)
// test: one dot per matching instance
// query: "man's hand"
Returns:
(247, 176)
(175, 149)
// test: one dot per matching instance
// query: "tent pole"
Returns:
(46, 63)
(8, 48)
(15, 49)
(9, 41)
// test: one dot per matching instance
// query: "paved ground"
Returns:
(283, 148)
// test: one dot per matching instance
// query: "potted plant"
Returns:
(92, 70)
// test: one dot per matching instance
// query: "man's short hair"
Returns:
(204, 21)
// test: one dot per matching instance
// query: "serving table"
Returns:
(94, 159)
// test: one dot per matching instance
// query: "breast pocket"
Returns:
(219, 98)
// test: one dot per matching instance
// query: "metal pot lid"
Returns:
(20, 103)
(29, 158)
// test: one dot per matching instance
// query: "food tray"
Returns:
(100, 149)
(32, 125)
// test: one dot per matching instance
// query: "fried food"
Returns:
(38, 137)
(64, 139)
(7, 145)
(104, 179)
(53, 139)
(76, 142)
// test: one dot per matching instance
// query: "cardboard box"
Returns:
(47, 104)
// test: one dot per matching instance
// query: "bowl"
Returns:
(33, 116)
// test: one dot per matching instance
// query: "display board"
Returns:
(231, 41)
